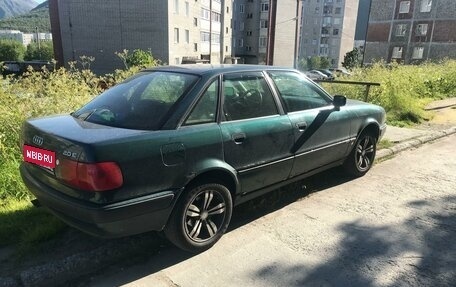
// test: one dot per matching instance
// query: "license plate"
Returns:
(41, 157)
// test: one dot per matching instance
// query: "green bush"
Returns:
(44, 51)
(11, 50)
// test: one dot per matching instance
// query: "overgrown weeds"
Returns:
(404, 90)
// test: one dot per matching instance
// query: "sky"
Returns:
(40, 1)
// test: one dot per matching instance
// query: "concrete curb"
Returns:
(72, 267)
(382, 153)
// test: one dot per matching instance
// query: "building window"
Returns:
(187, 9)
(426, 5)
(317, 10)
(421, 29)
(314, 42)
(248, 48)
(404, 7)
(249, 33)
(401, 29)
(249, 15)
(263, 41)
(264, 7)
(241, 26)
(241, 8)
(215, 38)
(195, 22)
(418, 53)
(335, 32)
(176, 6)
(195, 47)
(263, 23)
(205, 14)
(227, 9)
(227, 30)
(241, 42)
(337, 21)
(176, 35)
(216, 17)
(338, 10)
(177, 61)
(226, 49)
(397, 53)
(187, 36)
(205, 36)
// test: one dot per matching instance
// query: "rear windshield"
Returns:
(141, 102)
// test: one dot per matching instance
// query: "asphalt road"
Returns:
(396, 226)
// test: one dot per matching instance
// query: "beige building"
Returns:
(175, 31)
(265, 31)
(328, 29)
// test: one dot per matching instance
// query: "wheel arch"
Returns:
(370, 126)
(218, 172)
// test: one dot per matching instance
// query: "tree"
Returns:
(45, 51)
(351, 59)
(11, 50)
(137, 58)
(314, 62)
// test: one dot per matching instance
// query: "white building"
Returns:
(24, 38)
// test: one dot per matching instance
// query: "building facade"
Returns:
(328, 29)
(175, 31)
(411, 31)
(265, 31)
(24, 38)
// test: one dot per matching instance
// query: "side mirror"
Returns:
(339, 101)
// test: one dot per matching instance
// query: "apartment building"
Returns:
(175, 31)
(24, 38)
(265, 31)
(328, 29)
(411, 31)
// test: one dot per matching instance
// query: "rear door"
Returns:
(321, 132)
(256, 137)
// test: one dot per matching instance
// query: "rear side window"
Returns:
(205, 110)
(140, 102)
(247, 95)
(297, 92)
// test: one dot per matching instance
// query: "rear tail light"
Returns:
(101, 176)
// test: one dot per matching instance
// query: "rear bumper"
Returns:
(118, 219)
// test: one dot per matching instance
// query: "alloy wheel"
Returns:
(365, 153)
(204, 215)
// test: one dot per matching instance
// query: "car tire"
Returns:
(200, 218)
(362, 156)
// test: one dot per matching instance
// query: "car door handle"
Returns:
(238, 138)
(301, 126)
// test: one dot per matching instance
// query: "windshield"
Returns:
(140, 102)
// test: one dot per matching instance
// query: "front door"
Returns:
(321, 131)
(256, 137)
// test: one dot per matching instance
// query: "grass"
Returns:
(25, 225)
(384, 144)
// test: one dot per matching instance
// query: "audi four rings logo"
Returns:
(38, 140)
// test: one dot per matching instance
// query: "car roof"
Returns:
(205, 69)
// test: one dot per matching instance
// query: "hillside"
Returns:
(11, 8)
(38, 17)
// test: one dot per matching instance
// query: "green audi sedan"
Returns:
(173, 149)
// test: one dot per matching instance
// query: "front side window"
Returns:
(247, 95)
(205, 110)
(140, 102)
(297, 92)
(418, 53)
